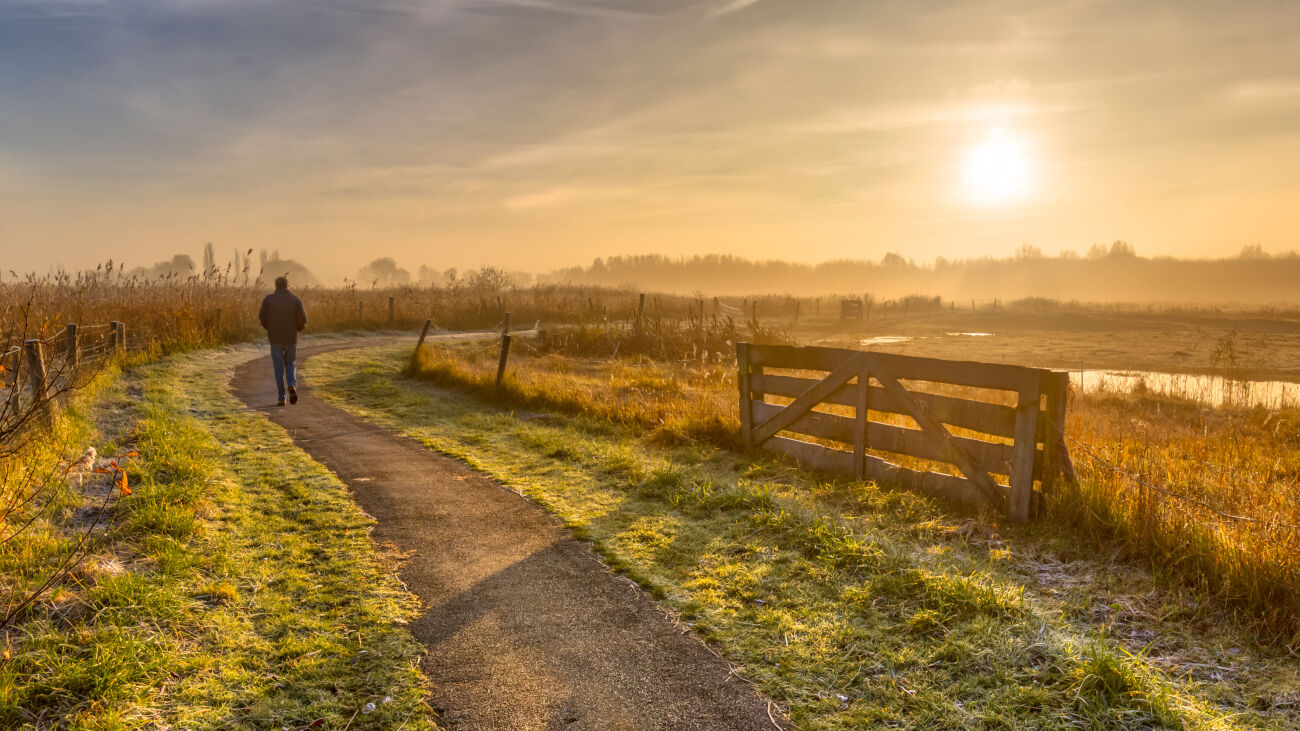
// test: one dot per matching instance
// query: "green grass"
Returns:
(855, 605)
(238, 586)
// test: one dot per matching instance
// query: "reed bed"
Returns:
(174, 313)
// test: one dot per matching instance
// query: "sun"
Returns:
(997, 169)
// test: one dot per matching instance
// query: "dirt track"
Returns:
(526, 629)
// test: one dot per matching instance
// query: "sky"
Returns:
(537, 134)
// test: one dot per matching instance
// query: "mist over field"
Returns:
(1114, 273)
(1106, 275)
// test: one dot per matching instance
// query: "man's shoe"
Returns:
(280, 402)
(293, 395)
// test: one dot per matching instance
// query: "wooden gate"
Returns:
(874, 382)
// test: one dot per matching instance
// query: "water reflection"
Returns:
(1212, 390)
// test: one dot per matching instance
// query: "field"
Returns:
(1161, 590)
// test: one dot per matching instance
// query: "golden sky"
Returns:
(536, 134)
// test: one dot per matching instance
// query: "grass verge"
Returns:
(237, 586)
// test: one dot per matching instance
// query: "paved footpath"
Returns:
(526, 629)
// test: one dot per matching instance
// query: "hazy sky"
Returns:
(543, 133)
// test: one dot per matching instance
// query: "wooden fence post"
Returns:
(1026, 447)
(39, 380)
(11, 373)
(1054, 450)
(112, 335)
(424, 332)
(501, 364)
(121, 337)
(640, 311)
(391, 310)
(72, 355)
(746, 403)
(505, 324)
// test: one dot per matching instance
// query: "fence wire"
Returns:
(1229, 517)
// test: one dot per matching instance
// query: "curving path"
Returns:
(525, 627)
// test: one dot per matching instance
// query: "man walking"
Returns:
(283, 316)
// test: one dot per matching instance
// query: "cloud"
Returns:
(729, 7)
(555, 198)
(1001, 87)
(1282, 89)
(562, 7)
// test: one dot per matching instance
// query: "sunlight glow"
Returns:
(997, 169)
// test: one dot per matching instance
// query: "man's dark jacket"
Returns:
(283, 316)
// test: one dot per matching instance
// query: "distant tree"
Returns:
(209, 260)
(384, 272)
(428, 276)
(180, 265)
(486, 281)
(1029, 252)
(1122, 250)
(297, 274)
(1252, 252)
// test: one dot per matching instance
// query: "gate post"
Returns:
(1054, 450)
(860, 427)
(1026, 447)
(746, 403)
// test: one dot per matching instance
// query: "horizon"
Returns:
(536, 135)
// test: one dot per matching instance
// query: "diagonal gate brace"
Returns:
(817, 393)
(969, 467)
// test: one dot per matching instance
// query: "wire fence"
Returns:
(1139, 482)
(59, 368)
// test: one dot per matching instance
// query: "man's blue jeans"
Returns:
(282, 359)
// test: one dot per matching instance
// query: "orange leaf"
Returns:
(121, 484)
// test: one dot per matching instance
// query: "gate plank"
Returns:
(937, 484)
(980, 416)
(878, 368)
(808, 399)
(990, 457)
(959, 373)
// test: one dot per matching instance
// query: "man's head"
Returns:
(281, 282)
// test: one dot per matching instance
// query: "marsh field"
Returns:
(1159, 590)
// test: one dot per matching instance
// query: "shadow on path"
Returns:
(526, 629)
